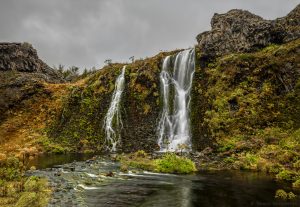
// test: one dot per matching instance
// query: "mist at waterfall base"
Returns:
(176, 82)
(113, 121)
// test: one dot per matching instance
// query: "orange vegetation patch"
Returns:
(25, 125)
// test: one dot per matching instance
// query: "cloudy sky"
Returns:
(86, 32)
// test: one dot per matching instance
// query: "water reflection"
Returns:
(45, 160)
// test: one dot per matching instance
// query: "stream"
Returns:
(99, 182)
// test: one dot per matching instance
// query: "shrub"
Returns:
(287, 175)
(291, 196)
(35, 184)
(140, 153)
(281, 194)
(36, 193)
(171, 163)
(249, 161)
(296, 184)
(27, 199)
(229, 160)
(275, 168)
(296, 165)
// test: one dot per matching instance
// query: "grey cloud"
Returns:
(86, 32)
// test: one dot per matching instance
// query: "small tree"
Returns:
(132, 59)
(61, 68)
(108, 61)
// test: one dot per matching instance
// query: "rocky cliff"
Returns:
(241, 31)
(22, 75)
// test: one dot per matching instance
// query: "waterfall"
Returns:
(113, 123)
(176, 82)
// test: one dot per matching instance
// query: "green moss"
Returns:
(246, 56)
(296, 165)
(18, 190)
(287, 175)
(171, 163)
(139, 160)
(275, 168)
(249, 161)
(226, 147)
(271, 48)
(296, 184)
(247, 96)
(10, 169)
(229, 160)
(281, 194)
(291, 196)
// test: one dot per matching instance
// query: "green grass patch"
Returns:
(168, 163)
(172, 163)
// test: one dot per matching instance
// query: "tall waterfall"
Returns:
(113, 123)
(176, 83)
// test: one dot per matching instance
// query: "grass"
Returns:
(168, 163)
(18, 190)
(25, 125)
(172, 163)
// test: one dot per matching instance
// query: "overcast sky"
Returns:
(86, 32)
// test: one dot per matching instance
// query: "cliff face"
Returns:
(22, 74)
(241, 97)
(234, 97)
(241, 31)
(240, 57)
(80, 124)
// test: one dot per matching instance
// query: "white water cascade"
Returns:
(176, 83)
(113, 122)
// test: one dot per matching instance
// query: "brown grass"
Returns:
(26, 124)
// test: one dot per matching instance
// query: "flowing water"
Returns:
(99, 183)
(113, 122)
(176, 83)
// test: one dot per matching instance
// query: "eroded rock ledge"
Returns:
(22, 57)
(241, 31)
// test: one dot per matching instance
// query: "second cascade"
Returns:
(113, 122)
(176, 83)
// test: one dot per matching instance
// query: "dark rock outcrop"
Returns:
(241, 31)
(22, 57)
(21, 75)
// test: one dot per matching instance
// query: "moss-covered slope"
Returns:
(80, 124)
(242, 95)
(236, 99)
